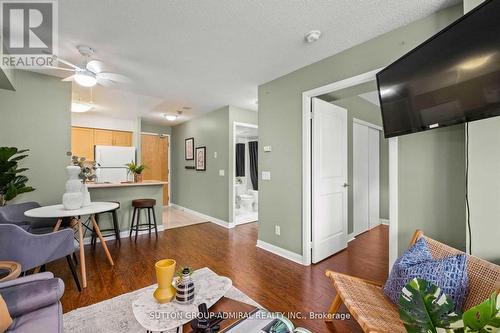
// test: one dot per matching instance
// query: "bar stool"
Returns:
(115, 230)
(140, 204)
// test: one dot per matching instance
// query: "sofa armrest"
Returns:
(27, 279)
(31, 296)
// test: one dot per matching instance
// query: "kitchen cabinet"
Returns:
(103, 137)
(83, 140)
(122, 138)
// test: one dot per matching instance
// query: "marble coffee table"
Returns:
(169, 317)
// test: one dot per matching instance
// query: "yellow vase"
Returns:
(165, 270)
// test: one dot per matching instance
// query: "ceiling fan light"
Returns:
(80, 107)
(170, 117)
(85, 79)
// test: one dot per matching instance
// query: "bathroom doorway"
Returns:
(245, 167)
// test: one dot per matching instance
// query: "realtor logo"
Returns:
(29, 33)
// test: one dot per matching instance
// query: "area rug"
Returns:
(115, 314)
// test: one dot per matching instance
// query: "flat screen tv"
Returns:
(452, 78)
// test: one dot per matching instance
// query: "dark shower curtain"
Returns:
(240, 160)
(253, 149)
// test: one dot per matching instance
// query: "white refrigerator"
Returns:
(111, 162)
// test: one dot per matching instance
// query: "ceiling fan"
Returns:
(91, 72)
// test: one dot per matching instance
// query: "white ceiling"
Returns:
(209, 53)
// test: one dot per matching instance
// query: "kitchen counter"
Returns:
(125, 193)
(143, 183)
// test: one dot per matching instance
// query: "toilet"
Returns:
(246, 201)
(255, 195)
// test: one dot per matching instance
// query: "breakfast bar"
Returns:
(125, 193)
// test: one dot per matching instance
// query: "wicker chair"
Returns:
(375, 313)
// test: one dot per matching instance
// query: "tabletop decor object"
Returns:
(73, 197)
(87, 174)
(12, 183)
(156, 317)
(136, 170)
(165, 270)
(184, 287)
(206, 322)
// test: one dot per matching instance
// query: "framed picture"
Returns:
(201, 158)
(189, 149)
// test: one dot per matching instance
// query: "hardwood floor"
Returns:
(276, 283)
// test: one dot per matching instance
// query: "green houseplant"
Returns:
(12, 181)
(423, 307)
(136, 170)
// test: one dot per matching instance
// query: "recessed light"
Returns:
(170, 117)
(80, 107)
(312, 36)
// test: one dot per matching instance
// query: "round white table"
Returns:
(58, 212)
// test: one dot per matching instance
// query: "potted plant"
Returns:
(136, 170)
(423, 307)
(12, 182)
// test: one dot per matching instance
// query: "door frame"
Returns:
(381, 130)
(232, 173)
(169, 161)
(307, 170)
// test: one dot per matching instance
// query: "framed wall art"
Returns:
(201, 158)
(189, 149)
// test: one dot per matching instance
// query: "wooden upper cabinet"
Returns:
(82, 142)
(121, 138)
(103, 137)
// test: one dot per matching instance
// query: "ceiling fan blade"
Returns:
(105, 82)
(67, 63)
(59, 68)
(69, 78)
(114, 77)
(95, 66)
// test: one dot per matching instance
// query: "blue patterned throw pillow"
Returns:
(449, 274)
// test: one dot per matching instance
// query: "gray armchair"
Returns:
(33, 303)
(31, 250)
(14, 214)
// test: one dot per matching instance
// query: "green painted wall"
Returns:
(280, 104)
(363, 110)
(484, 188)
(432, 186)
(240, 116)
(206, 191)
(384, 177)
(154, 128)
(37, 116)
(203, 191)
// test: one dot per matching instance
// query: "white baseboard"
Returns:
(280, 252)
(350, 237)
(384, 221)
(209, 218)
(124, 234)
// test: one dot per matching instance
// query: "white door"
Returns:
(366, 177)
(329, 173)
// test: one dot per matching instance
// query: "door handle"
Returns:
(346, 185)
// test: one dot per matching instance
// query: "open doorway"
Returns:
(245, 184)
(346, 187)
